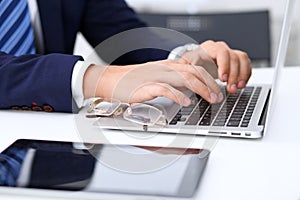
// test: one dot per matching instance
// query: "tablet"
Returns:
(102, 168)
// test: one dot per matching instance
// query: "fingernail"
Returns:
(213, 97)
(225, 77)
(186, 101)
(241, 84)
(233, 87)
(220, 97)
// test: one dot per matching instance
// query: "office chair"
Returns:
(247, 31)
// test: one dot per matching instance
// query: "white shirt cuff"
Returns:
(77, 82)
(176, 53)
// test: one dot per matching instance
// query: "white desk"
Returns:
(267, 168)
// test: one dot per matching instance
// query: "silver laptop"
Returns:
(244, 114)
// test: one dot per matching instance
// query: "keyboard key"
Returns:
(233, 123)
(177, 118)
(244, 124)
(197, 113)
(219, 123)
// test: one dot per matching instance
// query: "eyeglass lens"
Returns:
(142, 114)
(106, 107)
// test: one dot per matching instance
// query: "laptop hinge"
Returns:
(263, 117)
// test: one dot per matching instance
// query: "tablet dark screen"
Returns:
(122, 169)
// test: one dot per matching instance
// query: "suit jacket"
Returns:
(43, 82)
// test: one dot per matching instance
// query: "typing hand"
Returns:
(231, 66)
(138, 83)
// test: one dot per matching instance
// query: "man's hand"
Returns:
(232, 66)
(138, 83)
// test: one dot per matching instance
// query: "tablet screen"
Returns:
(96, 168)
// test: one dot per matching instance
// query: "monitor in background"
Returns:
(247, 31)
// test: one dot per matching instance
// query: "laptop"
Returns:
(242, 115)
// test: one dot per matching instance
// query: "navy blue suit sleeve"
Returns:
(37, 80)
(106, 18)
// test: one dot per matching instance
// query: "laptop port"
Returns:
(235, 133)
(216, 132)
(248, 134)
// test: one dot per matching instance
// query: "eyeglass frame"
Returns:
(161, 120)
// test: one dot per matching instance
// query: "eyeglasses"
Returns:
(138, 113)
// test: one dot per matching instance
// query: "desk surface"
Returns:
(266, 168)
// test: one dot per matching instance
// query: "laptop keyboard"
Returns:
(234, 111)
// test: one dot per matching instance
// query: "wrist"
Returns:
(91, 79)
(101, 81)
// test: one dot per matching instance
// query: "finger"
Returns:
(206, 78)
(220, 52)
(195, 78)
(199, 87)
(223, 61)
(190, 77)
(245, 69)
(201, 58)
(234, 73)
